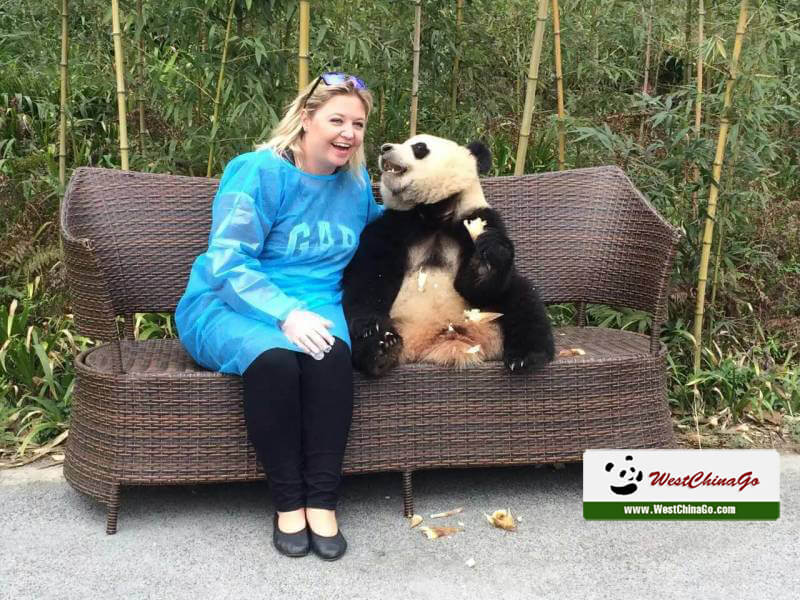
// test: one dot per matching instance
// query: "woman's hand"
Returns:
(309, 331)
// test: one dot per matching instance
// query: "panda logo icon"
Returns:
(628, 477)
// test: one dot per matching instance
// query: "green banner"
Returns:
(681, 511)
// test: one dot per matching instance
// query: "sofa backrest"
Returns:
(580, 235)
(586, 235)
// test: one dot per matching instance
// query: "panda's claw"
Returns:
(378, 351)
(530, 361)
(516, 364)
(390, 339)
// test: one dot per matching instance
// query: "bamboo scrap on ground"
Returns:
(433, 533)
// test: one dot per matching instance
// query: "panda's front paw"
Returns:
(495, 250)
(377, 348)
(518, 362)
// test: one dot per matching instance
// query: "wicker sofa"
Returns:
(144, 413)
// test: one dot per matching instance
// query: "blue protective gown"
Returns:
(280, 239)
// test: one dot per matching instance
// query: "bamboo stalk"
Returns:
(62, 127)
(415, 79)
(562, 145)
(140, 91)
(687, 39)
(121, 94)
(215, 118)
(530, 92)
(714, 189)
(698, 105)
(646, 83)
(517, 59)
(596, 49)
(382, 109)
(302, 53)
(657, 62)
(203, 32)
(717, 259)
(721, 241)
(457, 60)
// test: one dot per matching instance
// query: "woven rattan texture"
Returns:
(585, 235)
(580, 235)
(144, 413)
(146, 230)
(168, 420)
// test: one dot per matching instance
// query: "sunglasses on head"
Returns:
(336, 78)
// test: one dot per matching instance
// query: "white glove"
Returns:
(309, 331)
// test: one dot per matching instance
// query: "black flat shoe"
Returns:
(328, 547)
(290, 544)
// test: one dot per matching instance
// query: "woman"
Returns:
(264, 301)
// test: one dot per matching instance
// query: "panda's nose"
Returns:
(385, 148)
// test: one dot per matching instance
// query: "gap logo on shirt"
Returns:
(326, 236)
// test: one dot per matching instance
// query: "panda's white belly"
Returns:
(429, 312)
(427, 293)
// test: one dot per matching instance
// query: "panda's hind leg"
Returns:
(528, 341)
(377, 347)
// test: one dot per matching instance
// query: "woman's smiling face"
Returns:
(333, 134)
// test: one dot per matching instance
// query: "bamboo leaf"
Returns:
(11, 311)
(50, 408)
(44, 361)
(321, 32)
(36, 430)
(721, 49)
(364, 50)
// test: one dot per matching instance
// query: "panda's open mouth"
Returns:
(388, 166)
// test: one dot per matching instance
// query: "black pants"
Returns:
(298, 412)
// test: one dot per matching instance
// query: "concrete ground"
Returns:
(214, 541)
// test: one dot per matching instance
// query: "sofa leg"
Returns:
(113, 510)
(408, 495)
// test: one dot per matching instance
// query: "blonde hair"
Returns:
(288, 133)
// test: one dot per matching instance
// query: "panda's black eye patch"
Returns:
(420, 150)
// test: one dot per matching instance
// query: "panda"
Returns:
(433, 278)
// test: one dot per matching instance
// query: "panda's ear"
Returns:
(482, 155)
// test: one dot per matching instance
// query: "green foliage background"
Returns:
(750, 364)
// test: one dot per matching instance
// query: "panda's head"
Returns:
(426, 170)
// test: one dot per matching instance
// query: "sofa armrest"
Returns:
(661, 292)
(92, 303)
